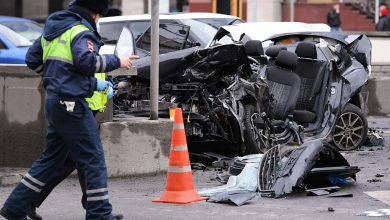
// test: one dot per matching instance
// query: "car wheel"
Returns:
(252, 139)
(351, 128)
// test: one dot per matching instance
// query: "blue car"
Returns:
(16, 36)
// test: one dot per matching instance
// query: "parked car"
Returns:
(203, 28)
(229, 95)
(16, 35)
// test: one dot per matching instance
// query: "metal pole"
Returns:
(292, 10)
(376, 11)
(154, 75)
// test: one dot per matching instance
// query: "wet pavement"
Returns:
(132, 196)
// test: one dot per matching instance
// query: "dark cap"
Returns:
(95, 6)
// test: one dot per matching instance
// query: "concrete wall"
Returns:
(379, 90)
(136, 146)
(379, 83)
(22, 121)
(22, 129)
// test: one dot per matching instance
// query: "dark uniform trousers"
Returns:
(57, 177)
(73, 133)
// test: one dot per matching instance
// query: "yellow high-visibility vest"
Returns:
(60, 49)
(98, 100)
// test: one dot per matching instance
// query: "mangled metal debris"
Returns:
(374, 138)
(284, 169)
(238, 197)
(322, 191)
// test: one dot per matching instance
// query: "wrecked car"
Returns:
(238, 99)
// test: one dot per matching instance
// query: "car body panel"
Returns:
(208, 23)
(16, 35)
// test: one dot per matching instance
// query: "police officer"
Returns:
(97, 103)
(67, 53)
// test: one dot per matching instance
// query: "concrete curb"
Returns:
(136, 146)
(11, 176)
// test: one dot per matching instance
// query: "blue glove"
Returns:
(110, 93)
(102, 85)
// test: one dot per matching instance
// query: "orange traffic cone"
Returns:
(179, 187)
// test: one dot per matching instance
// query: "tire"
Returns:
(251, 140)
(351, 128)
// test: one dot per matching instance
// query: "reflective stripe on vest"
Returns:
(60, 48)
(99, 99)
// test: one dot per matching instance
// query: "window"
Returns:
(172, 38)
(2, 45)
(110, 31)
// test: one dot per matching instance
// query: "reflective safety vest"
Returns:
(60, 49)
(99, 98)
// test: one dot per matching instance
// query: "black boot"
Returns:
(7, 214)
(32, 213)
(117, 216)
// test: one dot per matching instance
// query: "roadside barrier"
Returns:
(179, 186)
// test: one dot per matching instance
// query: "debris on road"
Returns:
(374, 180)
(339, 195)
(374, 138)
(238, 197)
(322, 191)
(246, 180)
(313, 164)
(330, 209)
(318, 192)
(198, 166)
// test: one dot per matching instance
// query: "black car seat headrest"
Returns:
(254, 48)
(287, 60)
(274, 51)
(306, 50)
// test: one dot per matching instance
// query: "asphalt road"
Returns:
(132, 196)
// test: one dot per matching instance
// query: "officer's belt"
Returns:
(52, 95)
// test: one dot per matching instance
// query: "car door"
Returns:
(9, 53)
(172, 49)
(3, 51)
